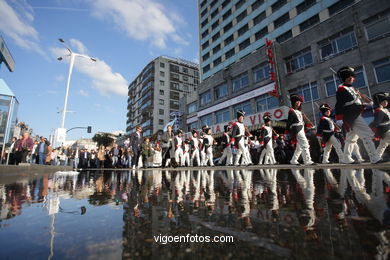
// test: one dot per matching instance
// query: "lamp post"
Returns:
(72, 56)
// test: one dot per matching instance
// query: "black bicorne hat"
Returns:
(325, 107)
(380, 97)
(240, 113)
(226, 128)
(266, 118)
(345, 72)
(294, 98)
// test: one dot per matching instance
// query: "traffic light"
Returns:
(89, 129)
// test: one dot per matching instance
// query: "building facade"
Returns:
(155, 93)
(318, 35)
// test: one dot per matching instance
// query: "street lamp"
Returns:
(72, 56)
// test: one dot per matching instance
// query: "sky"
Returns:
(123, 35)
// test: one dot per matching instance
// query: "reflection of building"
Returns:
(155, 92)
(8, 111)
(309, 37)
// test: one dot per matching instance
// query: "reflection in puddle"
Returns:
(298, 213)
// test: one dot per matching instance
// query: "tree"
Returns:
(103, 139)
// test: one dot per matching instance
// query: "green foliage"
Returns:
(103, 139)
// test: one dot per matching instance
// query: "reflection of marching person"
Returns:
(296, 127)
(208, 142)
(266, 137)
(178, 141)
(349, 107)
(227, 148)
(382, 121)
(326, 129)
(238, 134)
(195, 147)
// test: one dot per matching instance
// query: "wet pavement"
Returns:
(297, 213)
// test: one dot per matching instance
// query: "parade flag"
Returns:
(169, 124)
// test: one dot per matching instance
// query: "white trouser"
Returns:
(179, 155)
(209, 156)
(227, 153)
(332, 142)
(202, 157)
(262, 154)
(186, 159)
(356, 152)
(302, 148)
(269, 153)
(384, 142)
(195, 155)
(248, 155)
(360, 129)
(241, 151)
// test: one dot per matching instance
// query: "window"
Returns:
(161, 111)
(174, 95)
(222, 116)
(161, 121)
(340, 5)
(277, 5)
(259, 18)
(245, 44)
(225, 3)
(193, 125)
(227, 27)
(161, 101)
(193, 107)
(266, 102)
(174, 68)
(213, 3)
(214, 25)
(229, 39)
(227, 14)
(161, 92)
(206, 120)
(216, 36)
(221, 91)
(174, 104)
(243, 30)
(260, 34)
(240, 3)
(203, 3)
(360, 78)
(214, 14)
(205, 33)
(241, 16)
(161, 82)
(338, 45)
(229, 53)
(331, 85)
(185, 70)
(216, 48)
(308, 92)
(174, 86)
(185, 78)
(162, 74)
(382, 70)
(305, 5)
(205, 45)
(284, 37)
(205, 98)
(204, 23)
(162, 65)
(245, 106)
(175, 76)
(203, 12)
(261, 73)
(217, 61)
(299, 61)
(281, 20)
(206, 56)
(257, 4)
(309, 22)
(379, 28)
(240, 82)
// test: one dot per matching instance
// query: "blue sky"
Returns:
(124, 35)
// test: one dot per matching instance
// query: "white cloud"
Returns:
(60, 78)
(84, 93)
(103, 78)
(17, 25)
(79, 46)
(141, 20)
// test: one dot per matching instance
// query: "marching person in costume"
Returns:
(266, 137)
(186, 153)
(349, 107)
(227, 148)
(326, 130)
(247, 143)
(179, 147)
(382, 121)
(195, 148)
(202, 150)
(296, 126)
(208, 143)
(238, 134)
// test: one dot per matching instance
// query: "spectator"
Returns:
(157, 155)
(49, 152)
(93, 159)
(42, 151)
(12, 152)
(167, 146)
(101, 156)
(26, 146)
(135, 141)
(146, 151)
(114, 155)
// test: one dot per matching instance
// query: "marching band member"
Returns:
(208, 143)
(326, 130)
(195, 147)
(238, 134)
(247, 143)
(186, 153)
(202, 150)
(227, 149)
(295, 125)
(178, 141)
(349, 107)
(382, 121)
(266, 137)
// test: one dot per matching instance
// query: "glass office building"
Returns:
(8, 112)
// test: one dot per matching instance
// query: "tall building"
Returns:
(308, 38)
(154, 94)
